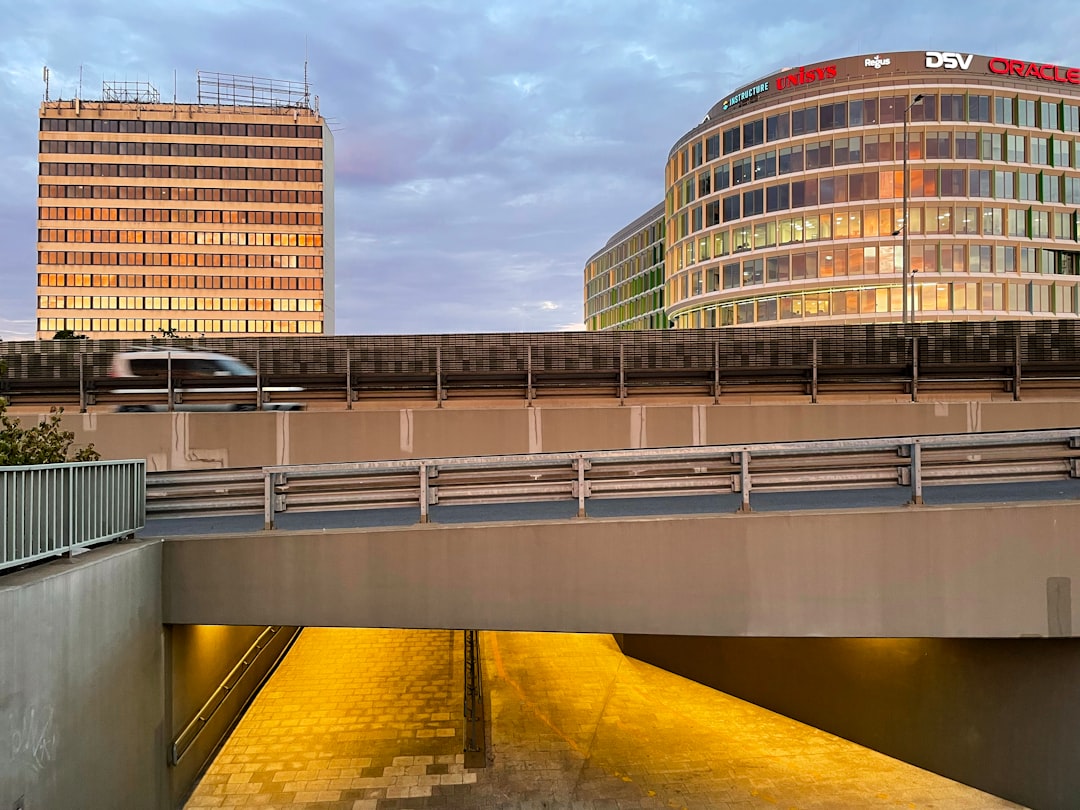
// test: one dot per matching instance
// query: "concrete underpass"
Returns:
(365, 719)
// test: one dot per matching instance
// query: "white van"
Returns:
(188, 367)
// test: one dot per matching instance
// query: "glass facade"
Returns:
(624, 282)
(795, 209)
(188, 219)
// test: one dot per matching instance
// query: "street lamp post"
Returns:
(904, 227)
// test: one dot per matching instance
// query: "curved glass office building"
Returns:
(786, 204)
(624, 281)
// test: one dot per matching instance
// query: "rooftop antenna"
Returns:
(45, 76)
(307, 87)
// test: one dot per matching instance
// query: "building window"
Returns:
(979, 183)
(1048, 114)
(731, 208)
(978, 108)
(952, 108)
(741, 171)
(1015, 148)
(753, 133)
(764, 165)
(833, 116)
(778, 127)
(1025, 112)
(1051, 188)
(1040, 151)
(722, 177)
(753, 202)
(862, 112)
(992, 221)
(967, 146)
(805, 121)
(791, 159)
(712, 147)
(1028, 186)
(778, 198)
(731, 140)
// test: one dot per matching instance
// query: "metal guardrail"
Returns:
(51, 509)
(910, 462)
(836, 364)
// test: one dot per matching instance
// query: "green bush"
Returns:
(43, 443)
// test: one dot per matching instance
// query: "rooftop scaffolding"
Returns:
(231, 90)
(130, 92)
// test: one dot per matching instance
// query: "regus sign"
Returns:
(948, 59)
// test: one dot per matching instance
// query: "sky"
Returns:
(485, 149)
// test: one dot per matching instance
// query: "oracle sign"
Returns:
(1033, 70)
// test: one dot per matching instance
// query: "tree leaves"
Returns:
(43, 443)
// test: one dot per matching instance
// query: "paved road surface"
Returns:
(371, 720)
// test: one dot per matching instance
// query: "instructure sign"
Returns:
(748, 93)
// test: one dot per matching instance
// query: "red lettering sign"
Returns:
(806, 76)
(1027, 70)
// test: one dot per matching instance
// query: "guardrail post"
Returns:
(168, 373)
(744, 480)
(622, 373)
(348, 379)
(529, 392)
(582, 464)
(82, 386)
(425, 493)
(269, 499)
(438, 376)
(813, 371)
(716, 373)
(916, 474)
(1016, 370)
(915, 369)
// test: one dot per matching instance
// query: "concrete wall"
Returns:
(81, 686)
(198, 659)
(93, 689)
(977, 571)
(200, 440)
(999, 714)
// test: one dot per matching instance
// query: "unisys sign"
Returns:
(1033, 70)
(806, 75)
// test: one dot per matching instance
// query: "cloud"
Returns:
(485, 148)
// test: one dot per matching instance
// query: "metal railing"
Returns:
(473, 704)
(187, 736)
(51, 509)
(910, 462)
(1030, 359)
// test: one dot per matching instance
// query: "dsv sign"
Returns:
(948, 60)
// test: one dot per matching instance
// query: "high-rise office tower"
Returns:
(205, 219)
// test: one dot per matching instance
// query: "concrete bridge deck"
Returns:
(974, 571)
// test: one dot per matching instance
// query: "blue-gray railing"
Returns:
(909, 462)
(51, 509)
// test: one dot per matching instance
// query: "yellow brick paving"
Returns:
(371, 720)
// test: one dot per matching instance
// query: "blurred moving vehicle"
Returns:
(200, 381)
